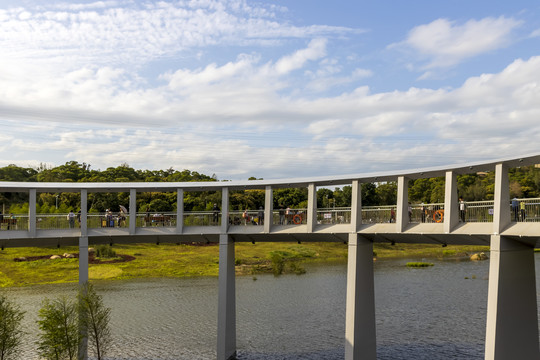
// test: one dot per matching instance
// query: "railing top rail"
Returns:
(261, 184)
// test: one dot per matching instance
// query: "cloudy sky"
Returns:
(269, 89)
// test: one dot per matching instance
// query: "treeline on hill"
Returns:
(524, 182)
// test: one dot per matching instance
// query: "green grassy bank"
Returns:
(170, 260)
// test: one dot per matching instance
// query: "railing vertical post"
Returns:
(360, 333)
(132, 211)
(312, 208)
(501, 206)
(512, 317)
(179, 210)
(356, 206)
(32, 223)
(451, 218)
(84, 212)
(402, 216)
(225, 210)
(268, 209)
(226, 337)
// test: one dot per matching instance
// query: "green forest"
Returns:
(524, 183)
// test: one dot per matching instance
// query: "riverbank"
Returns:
(171, 260)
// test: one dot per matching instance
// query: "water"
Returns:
(428, 313)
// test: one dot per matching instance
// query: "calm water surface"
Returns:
(430, 313)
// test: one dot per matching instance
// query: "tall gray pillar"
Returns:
(225, 211)
(179, 210)
(84, 212)
(360, 335)
(356, 206)
(268, 209)
(226, 337)
(501, 206)
(451, 218)
(512, 320)
(83, 282)
(32, 222)
(132, 211)
(83, 260)
(312, 208)
(402, 213)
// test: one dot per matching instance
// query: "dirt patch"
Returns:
(91, 259)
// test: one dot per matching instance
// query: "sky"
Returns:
(270, 89)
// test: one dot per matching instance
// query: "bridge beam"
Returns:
(132, 211)
(312, 208)
(226, 337)
(360, 335)
(32, 223)
(512, 320)
(84, 213)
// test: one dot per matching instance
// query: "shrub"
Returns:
(104, 251)
(419, 264)
(10, 328)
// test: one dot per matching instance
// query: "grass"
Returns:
(419, 264)
(171, 260)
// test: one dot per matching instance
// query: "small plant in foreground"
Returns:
(94, 320)
(10, 328)
(59, 338)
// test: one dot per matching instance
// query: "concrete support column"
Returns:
(225, 211)
(501, 206)
(356, 206)
(312, 208)
(268, 209)
(451, 218)
(226, 337)
(360, 335)
(84, 212)
(132, 211)
(83, 260)
(83, 282)
(179, 210)
(512, 320)
(32, 222)
(402, 213)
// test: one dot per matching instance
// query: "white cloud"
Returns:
(446, 43)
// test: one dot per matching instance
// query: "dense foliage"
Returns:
(524, 182)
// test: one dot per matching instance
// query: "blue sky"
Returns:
(269, 89)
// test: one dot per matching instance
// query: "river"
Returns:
(428, 313)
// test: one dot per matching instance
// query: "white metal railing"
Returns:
(527, 210)
(379, 214)
(290, 217)
(339, 215)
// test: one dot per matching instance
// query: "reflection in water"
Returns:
(429, 313)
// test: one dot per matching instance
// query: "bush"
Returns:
(59, 338)
(10, 328)
(104, 251)
(278, 262)
(419, 264)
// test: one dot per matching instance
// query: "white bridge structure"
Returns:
(512, 320)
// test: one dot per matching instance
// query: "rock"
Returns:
(69, 256)
(91, 250)
(479, 256)
(54, 257)
(20, 259)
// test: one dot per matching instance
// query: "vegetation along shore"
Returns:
(32, 266)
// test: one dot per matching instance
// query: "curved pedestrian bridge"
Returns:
(512, 320)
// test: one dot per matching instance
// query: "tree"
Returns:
(10, 328)
(94, 320)
(59, 338)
